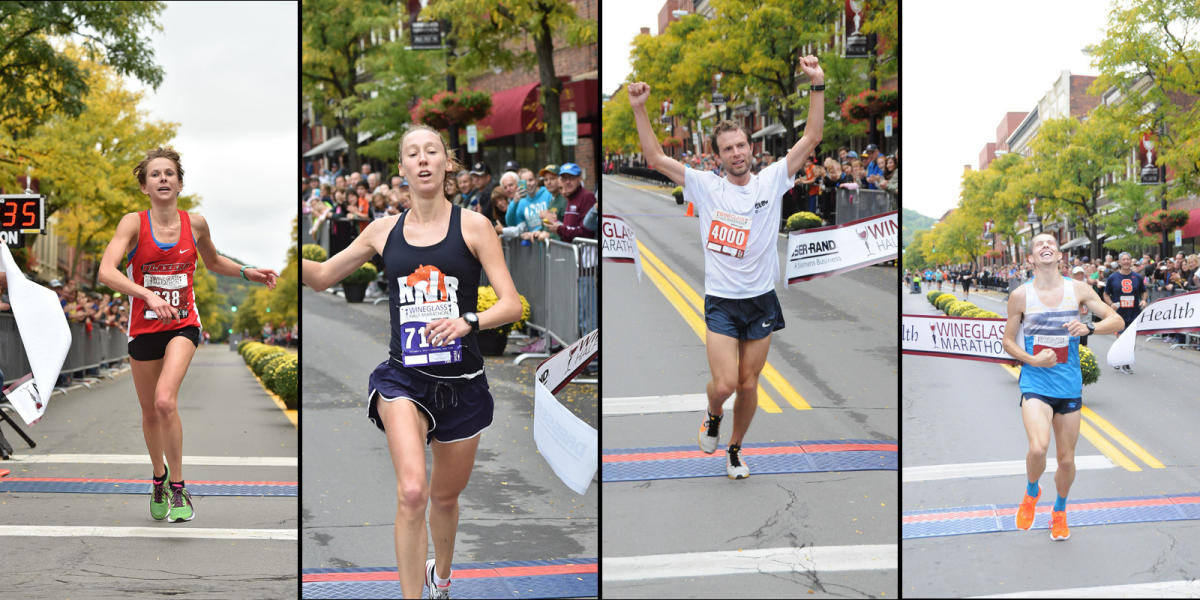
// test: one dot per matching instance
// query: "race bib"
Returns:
(419, 351)
(1126, 301)
(1056, 343)
(729, 234)
(149, 314)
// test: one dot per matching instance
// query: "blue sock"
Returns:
(1032, 489)
(1060, 503)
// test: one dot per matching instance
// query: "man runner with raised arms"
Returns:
(739, 215)
(1044, 312)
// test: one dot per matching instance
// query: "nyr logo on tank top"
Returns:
(426, 295)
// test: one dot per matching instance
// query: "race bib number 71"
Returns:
(419, 351)
(728, 234)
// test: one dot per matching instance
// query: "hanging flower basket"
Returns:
(1163, 220)
(872, 103)
(459, 108)
(672, 142)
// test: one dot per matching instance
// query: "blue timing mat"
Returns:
(677, 462)
(568, 578)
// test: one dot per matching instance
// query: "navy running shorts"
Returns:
(454, 409)
(744, 319)
(153, 346)
(1061, 406)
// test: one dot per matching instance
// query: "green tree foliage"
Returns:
(211, 304)
(336, 45)
(39, 79)
(516, 34)
(1158, 39)
(620, 135)
(1132, 201)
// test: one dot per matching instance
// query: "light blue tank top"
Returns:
(1046, 327)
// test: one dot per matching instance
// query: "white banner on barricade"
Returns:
(568, 444)
(619, 243)
(1173, 314)
(44, 334)
(955, 337)
(834, 249)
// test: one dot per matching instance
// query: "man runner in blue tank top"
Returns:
(1043, 331)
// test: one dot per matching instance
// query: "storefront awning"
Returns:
(768, 131)
(1192, 229)
(519, 109)
(1077, 242)
(335, 144)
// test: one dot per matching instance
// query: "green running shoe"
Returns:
(181, 505)
(159, 504)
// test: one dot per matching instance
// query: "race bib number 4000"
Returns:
(419, 351)
(728, 234)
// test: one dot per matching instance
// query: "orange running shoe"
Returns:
(1026, 511)
(1058, 526)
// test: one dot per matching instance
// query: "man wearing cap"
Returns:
(481, 180)
(558, 202)
(870, 156)
(739, 214)
(579, 201)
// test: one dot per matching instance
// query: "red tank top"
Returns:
(166, 272)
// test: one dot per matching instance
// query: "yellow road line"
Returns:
(773, 377)
(1122, 439)
(764, 400)
(1106, 447)
(1103, 445)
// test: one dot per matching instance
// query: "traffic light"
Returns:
(234, 309)
(268, 309)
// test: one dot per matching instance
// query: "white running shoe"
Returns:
(710, 433)
(434, 590)
(734, 466)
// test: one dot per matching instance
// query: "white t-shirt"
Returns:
(740, 255)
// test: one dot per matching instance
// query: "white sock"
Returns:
(438, 581)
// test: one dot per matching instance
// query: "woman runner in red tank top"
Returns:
(161, 246)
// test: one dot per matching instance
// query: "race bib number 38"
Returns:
(728, 234)
(418, 350)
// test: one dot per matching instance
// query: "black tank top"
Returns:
(423, 274)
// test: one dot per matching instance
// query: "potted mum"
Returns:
(355, 284)
(493, 341)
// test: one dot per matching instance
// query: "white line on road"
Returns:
(150, 532)
(1157, 589)
(821, 559)
(142, 459)
(636, 405)
(996, 468)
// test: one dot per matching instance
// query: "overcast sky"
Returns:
(623, 20)
(230, 84)
(967, 62)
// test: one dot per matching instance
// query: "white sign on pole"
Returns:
(472, 140)
(570, 129)
(887, 126)
(1178, 237)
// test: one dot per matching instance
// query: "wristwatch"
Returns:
(1091, 328)
(472, 319)
(817, 87)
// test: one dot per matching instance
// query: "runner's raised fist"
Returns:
(638, 94)
(812, 68)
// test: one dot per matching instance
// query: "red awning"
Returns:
(1192, 229)
(519, 109)
(513, 111)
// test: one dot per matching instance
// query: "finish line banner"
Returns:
(1173, 314)
(44, 334)
(834, 249)
(955, 337)
(619, 243)
(569, 445)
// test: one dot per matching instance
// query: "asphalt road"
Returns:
(514, 507)
(225, 413)
(838, 352)
(960, 412)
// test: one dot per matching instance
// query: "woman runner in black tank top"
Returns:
(431, 389)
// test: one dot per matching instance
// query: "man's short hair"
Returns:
(724, 126)
(1124, 254)
(1036, 236)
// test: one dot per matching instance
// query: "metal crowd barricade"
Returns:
(322, 237)
(853, 205)
(87, 351)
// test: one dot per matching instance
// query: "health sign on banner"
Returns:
(1173, 314)
(835, 249)
(472, 139)
(619, 243)
(570, 129)
(568, 444)
(955, 337)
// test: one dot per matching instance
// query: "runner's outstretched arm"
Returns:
(223, 266)
(655, 157)
(320, 275)
(814, 127)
